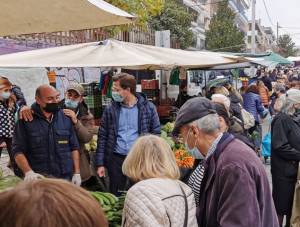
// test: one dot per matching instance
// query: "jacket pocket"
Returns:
(63, 138)
(36, 140)
(291, 169)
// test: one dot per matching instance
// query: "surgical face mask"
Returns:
(5, 95)
(51, 107)
(71, 104)
(193, 151)
(117, 97)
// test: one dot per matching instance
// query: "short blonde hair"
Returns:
(150, 157)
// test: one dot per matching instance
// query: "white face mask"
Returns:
(5, 95)
(193, 151)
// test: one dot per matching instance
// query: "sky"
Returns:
(285, 12)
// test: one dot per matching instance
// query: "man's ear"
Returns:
(195, 130)
(38, 100)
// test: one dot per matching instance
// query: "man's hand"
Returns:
(26, 113)
(71, 114)
(76, 179)
(101, 171)
(30, 176)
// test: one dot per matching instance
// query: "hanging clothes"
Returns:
(174, 78)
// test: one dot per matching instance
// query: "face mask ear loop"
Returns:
(188, 138)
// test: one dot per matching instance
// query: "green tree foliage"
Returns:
(286, 46)
(176, 19)
(143, 9)
(223, 35)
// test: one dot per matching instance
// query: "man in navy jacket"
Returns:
(47, 145)
(129, 116)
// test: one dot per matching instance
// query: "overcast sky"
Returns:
(286, 12)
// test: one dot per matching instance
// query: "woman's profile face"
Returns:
(223, 125)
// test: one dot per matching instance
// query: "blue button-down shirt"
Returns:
(128, 129)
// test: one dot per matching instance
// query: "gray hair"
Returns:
(292, 98)
(208, 124)
(219, 98)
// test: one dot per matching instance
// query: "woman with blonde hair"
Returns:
(157, 198)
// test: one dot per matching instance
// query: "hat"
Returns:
(293, 95)
(4, 82)
(76, 87)
(192, 110)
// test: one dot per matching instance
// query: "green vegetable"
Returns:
(168, 127)
(163, 134)
(112, 207)
(8, 182)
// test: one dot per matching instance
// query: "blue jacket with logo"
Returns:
(47, 145)
(107, 136)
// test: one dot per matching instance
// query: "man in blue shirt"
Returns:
(129, 116)
(47, 145)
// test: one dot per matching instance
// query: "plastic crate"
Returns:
(91, 89)
(93, 101)
(97, 112)
(151, 93)
(150, 84)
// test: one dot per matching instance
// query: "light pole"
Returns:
(253, 43)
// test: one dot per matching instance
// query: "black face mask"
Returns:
(52, 107)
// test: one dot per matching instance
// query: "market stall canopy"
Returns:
(113, 53)
(294, 59)
(270, 58)
(38, 16)
(232, 66)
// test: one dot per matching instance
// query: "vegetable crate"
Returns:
(93, 101)
(150, 84)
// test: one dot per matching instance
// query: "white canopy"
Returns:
(294, 59)
(112, 53)
(38, 16)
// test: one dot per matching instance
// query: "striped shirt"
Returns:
(196, 178)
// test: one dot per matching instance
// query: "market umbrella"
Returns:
(113, 53)
(217, 82)
(38, 16)
(273, 57)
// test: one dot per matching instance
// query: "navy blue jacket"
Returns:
(47, 146)
(108, 131)
(252, 103)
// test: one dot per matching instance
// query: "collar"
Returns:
(131, 106)
(213, 147)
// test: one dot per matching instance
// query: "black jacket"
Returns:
(47, 145)
(235, 106)
(285, 153)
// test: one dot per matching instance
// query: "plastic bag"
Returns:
(266, 145)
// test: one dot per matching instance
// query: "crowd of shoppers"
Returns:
(228, 185)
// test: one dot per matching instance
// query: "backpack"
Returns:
(248, 118)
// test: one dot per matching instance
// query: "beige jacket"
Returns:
(84, 131)
(158, 202)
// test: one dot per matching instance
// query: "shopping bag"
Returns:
(295, 220)
(266, 145)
